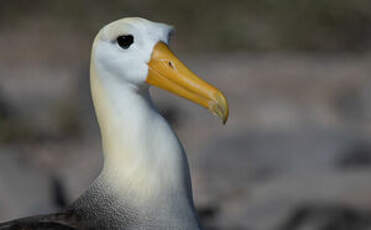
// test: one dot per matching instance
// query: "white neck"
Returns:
(144, 162)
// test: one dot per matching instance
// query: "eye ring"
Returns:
(125, 41)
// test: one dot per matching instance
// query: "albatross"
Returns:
(145, 181)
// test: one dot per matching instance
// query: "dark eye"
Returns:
(125, 41)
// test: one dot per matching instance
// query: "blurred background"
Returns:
(295, 154)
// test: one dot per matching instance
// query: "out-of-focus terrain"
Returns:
(295, 154)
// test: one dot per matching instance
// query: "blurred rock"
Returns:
(59, 192)
(352, 102)
(356, 156)
(23, 189)
(5, 108)
(208, 215)
(319, 216)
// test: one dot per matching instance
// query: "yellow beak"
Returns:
(167, 72)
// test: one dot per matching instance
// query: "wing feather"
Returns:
(59, 221)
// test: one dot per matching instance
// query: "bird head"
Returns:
(135, 51)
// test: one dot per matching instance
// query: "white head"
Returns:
(124, 47)
(134, 51)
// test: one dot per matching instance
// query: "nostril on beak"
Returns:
(171, 65)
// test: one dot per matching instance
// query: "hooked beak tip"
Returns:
(219, 107)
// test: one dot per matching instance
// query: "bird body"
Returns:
(145, 181)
